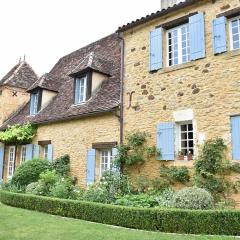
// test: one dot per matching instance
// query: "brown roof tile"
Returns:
(21, 75)
(106, 99)
(47, 81)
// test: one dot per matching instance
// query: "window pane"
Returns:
(183, 127)
(235, 45)
(190, 127)
(190, 135)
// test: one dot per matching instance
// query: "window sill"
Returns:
(177, 67)
(232, 53)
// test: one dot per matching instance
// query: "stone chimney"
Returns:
(164, 4)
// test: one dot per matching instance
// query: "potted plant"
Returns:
(180, 156)
(190, 156)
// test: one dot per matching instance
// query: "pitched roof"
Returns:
(155, 15)
(95, 62)
(106, 99)
(21, 75)
(49, 82)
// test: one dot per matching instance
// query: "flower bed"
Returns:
(163, 220)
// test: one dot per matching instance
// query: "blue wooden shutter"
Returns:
(50, 153)
(91, 158)
(235, 128)
(219, 35)
(1, 161)
(29, 152)
(114, 155)
(156, 54)
(165, 140)
(77, 91)
(36, 151)
(32, 104)
(197, 36)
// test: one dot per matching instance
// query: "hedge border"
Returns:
(165, 220)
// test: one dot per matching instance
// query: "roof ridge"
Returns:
(14, 73)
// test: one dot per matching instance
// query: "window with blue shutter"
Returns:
(219, 35)
(29, 152)
(197, 36)
(165, 140)
(91, 159)
(156, 55)
(36, 151)
(1, 161)
(50, 152)
(235, 131)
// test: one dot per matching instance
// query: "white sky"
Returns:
(46, 30)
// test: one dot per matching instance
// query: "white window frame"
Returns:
(180, 137)
(109, 163)
(23, 153)
(35, 103)
(11, 160)
(84, 96)
(231, 33)
(45, 152)
(180, 55)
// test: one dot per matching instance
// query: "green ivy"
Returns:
(18, 134)
(136, 150)
(211, 168)
(175, 174)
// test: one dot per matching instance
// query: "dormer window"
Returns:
(80, 90)
(35, 103)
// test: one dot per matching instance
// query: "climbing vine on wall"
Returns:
(136, 150)
(18, 134)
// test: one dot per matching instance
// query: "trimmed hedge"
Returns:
(173, 221)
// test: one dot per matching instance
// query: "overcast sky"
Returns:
(46, 30)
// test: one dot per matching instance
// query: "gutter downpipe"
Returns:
(122, 86)
(121, 91)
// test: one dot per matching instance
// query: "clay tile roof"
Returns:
(106, 98)
(155, 15)
(47, 81)
(21, 75)
(95, 62)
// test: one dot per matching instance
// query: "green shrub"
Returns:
(138, 200)
(165, 198)
(144, 184)
(175, 174)
(170, 220)
(97, 193)
(32, 188)
(235, 167)
(61, 165)
(10, 187)
(46, 181)
(29, 172)
(115, 183)
(193, 198)
(62, 188)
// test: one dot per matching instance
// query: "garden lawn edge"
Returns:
(214, 222)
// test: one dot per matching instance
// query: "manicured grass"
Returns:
(20, 224)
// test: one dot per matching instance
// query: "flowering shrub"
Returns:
(193, 198)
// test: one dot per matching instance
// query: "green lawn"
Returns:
(16, 224)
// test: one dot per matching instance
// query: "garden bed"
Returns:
(163, 220)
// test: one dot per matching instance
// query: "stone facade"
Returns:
(74, 138)
(208, 89)
(11, 98)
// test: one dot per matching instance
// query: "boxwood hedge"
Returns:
(165, 220)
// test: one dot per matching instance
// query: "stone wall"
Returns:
(11, 99)
(209, 87)
(75, 138)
